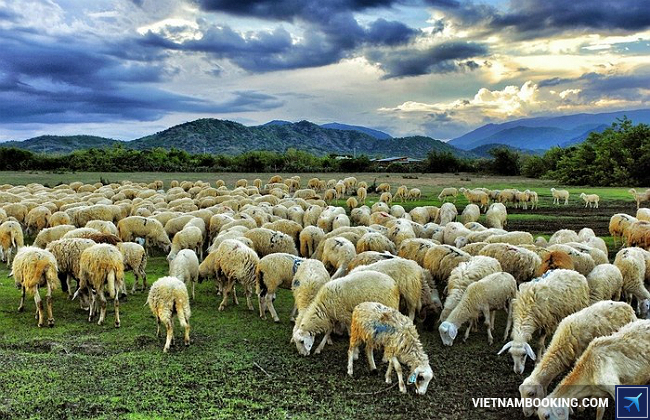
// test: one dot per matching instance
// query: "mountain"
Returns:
(545, 132)
(210, 135)
(374, 133)
(484, 150)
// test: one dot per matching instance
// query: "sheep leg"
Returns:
(170, 335)
(116, 305)
(39, 308)
(261, 303)
(157, 326)
(135, 283)
(234, 294)
(50, 317)
(226, 290)
(370, 355)
(322, 343)
(68, 283)
(293, 313)
(398, 370)
(249, 302)
(489, 322)
(468, 330)
(351, 351)
(185, 324)
(274, 314)
(193, 285)
(389, 371)
(102, 309)
(509, 323)
(91, 307)
(21, 307)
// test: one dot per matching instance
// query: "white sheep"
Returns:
(563, 236)
(616, 359)
(560, 195)
(51, 234)
(496, 216)
(335, 302)
(453, 230)
(68, 255)
(447, 213)
(471, 213)
(310, 276)
(512, 238)
(380, 326)
(633, 264)
(518, 261)
(190, 237)
(150, 229)
(440, 260)
(168, 297)
(485, 296)
(267, 241)
(135, 259)
(337, 254)
(274, 271)
(590, 200)
(375, 241)
(185, 267)
(415, 249)
(571, 338)
(309, 238)
(448, 192)
(11, 240)
(540, 305)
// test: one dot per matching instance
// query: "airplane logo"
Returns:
(634, 401)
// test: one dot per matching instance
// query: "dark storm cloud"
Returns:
(441, 58)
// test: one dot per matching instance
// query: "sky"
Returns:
(127, 68)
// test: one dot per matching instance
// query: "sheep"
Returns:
(16, 210)
(375, 241)
(380, 326)
(168, 297)
(274, 271)
(341, 220)
(462, 276)
(185, 267)
(37, 219)
(446, 214)
(362, 194)
(34, 268)
(496, 216)
(337, 254)
(232, 262)
(639, 197)
(401, 193)
(135, 259)
(472, 249)
(448, 192)
(101, 267)
(476, 197)
(518, 261)
(11, 240)
(103, 226)
(616, 359)
(414, 194)
(554, 260)
(150, 229)
(560, 195)
(633, 264)
(190, 237)
(267, 241)
(563, 236)
(541, 305)
(48, 235)
(68, 255)
(59, 218)
(309, 238)
(420, 215)
(352, 203)
(409, 277)
(309, 277)
(570, 340)
(471, 213)
(415, 249)
(512, 238)
(453, 230)
(326, 217)
(582, 261)
(440, 260)
(590, 200)
(485, 296)
(386, 197)
(596, 254)
(619, 224)
(401, 230)
(335, 302)
(383, 187)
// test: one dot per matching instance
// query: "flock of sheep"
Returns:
(371, 274)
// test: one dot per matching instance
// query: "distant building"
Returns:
(396, 159)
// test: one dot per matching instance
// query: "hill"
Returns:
(61, 144)
(372, 132)
(545, 132)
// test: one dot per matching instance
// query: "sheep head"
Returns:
(448, 333)
(553, 413)
(420, 377)
(531, 390)
(304, 341)
(519, 352)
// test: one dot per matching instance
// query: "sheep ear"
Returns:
(529, 351)
(505, 347)
(453, 331)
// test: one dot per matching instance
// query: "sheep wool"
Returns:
(309, 277)
(274, 271)
(34, 268)
(168, 297)
(520, 262)
(11, 239)
(440, 260)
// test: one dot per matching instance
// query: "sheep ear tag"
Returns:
(412, 378)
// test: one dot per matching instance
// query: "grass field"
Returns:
(239, 366)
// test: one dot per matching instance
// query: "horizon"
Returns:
(438, 68)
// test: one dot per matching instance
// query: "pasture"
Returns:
(240, 366)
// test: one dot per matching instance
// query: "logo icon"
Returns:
(632, 402)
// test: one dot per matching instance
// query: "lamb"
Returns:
(375, 241)
(560, 195)
(590, 200)
(101, 267)
(267, 241)
(616, 359)
(168, 296)
(541, 305)
(185, 267)
(378, 325)
(409, 277)
(310, 276)
(150, 229)
(448, 192)
(518, 261)
(633, 264)
(471, 213)
(274, 271)
(34, 268)
(337, 254)
(484, 296)
(496, 216)
(570, 340)
(447, 214)
(335, 302)
(11, 240)
(619, 224)
(462, 276)
(440, 260)
(135, 259)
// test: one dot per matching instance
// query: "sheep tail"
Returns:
(110, 283)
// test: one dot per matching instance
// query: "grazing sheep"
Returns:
(51, 234)
(414, 194)
(512, 238)
(103, 226)
(190, 237)
(362, 193)
(68, 255)
(471, 213)
(274, 271)
(570, 340)
(341, 220)
(518, 261)
(37, 219)
(101, 267)
(380, 326)
(401, 193)
(383, 187)
(619, 224)
(11, 240)
(583, 262)
(375, 241)
(446, 214)
(135, 259)
(560, 195)
(168, 297)
(337, 254)
(415, 249)
(590, 200)
(617, 359)
(462, 276)
(496, 216)
(386, 197)
(335, 302)
(633, 264)
(185, 267)
(596, 254)
(482, 297)
(310, 276)
(401, 230)
(476, 197)
(267, 241)
(605, 282)
(639, 197)
(59, 218)
(554, 260)
(352, 203)
(448, 192)
(453, 230)
(34, 268)
(367, 258)
(309, 238)
(563, 236)
(440, 260)
(288, 227)
(541, 305)
(151, 230)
